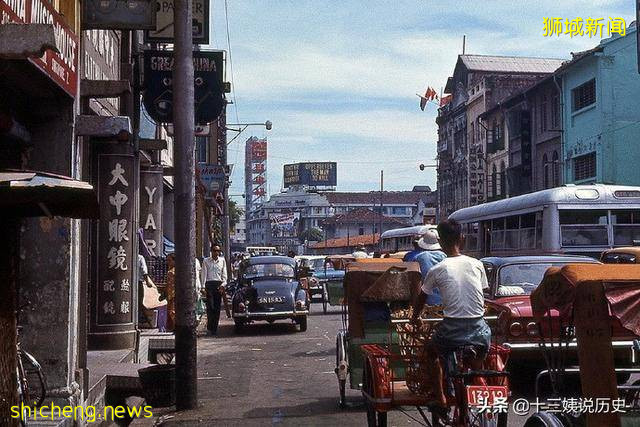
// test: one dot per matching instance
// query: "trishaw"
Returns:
(358, 326)
(586, 305)
(322, 277)
(402, 370)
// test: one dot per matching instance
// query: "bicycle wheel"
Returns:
(33, 383)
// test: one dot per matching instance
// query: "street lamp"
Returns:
(268, 125)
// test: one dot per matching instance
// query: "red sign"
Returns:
(61, 67)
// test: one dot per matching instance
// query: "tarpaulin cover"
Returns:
(621, 283)
(359, 277)
(395, 284)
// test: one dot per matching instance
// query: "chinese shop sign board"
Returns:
(61, 67)
(164, 28)
(158, 87)
(116, 257)
(119, 14)
(151, 208)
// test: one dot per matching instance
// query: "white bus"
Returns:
(572, 219)
(401, 239)
(261, 250)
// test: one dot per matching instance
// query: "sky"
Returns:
(339, 79)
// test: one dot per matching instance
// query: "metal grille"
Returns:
(584, 95)
(584, 167)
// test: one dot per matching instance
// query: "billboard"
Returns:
(284, 224)
(312, 174)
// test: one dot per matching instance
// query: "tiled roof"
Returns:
(363, 215)
(373, 197)
(514, 64)
(350, 242)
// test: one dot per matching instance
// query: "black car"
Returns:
(268, 289)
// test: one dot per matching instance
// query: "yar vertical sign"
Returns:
(151, 195)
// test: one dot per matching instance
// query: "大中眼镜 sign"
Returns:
(158, 86)
(312, 174)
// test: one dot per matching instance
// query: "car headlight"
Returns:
(515, 329)
(532, 329)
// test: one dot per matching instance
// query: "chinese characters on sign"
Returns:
(583, 27)
(116, 258)
(151, 208)
(212, 179)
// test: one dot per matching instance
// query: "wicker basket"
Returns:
(412, 340)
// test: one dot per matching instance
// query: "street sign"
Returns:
(212, 178)
(118, 15)
(164, 28)
(158, 86)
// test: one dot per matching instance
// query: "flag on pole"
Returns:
(429, 95)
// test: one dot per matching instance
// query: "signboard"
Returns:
(158, 87)
(119, 14)
(163, 32)
(61, 67)
(151, 195)
(212, 179)
(284, 224)
(312, 174)
(116, 257)
(101, 61)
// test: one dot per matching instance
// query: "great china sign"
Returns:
(60, 67)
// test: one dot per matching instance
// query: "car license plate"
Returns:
(479, 395)
(270, 300)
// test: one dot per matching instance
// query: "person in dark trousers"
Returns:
(214, 276)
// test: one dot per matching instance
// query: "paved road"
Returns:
(274, 375)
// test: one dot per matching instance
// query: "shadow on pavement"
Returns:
(322, 406)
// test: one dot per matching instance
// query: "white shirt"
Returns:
(198, 267)
(214, 270)
(460, 281)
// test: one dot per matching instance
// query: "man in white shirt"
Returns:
(460, 281)
(214, 276)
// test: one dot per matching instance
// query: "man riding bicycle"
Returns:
(460, 281)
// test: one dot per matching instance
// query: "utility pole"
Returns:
(184, 207)
(381, 210)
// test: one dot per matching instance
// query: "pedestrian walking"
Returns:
(171, 292)
(214, 276)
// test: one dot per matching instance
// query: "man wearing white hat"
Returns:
(427, 253)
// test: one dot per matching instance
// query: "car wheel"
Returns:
(302, 321)
(238, 326)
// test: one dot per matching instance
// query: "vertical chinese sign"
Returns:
(151, 208)
(116, 259)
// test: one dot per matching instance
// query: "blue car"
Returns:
(269, 290)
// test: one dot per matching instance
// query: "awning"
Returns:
(26, 193)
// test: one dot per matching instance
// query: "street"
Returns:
(274, 375)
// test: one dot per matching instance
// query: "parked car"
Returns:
(624, 255)
(269, 290)
(511, 281)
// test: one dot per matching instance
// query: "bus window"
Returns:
(626, 227)
(497, 233)
(512, 232)
(539, 230)
(584, 227)
(471, 238)
(527, 231)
